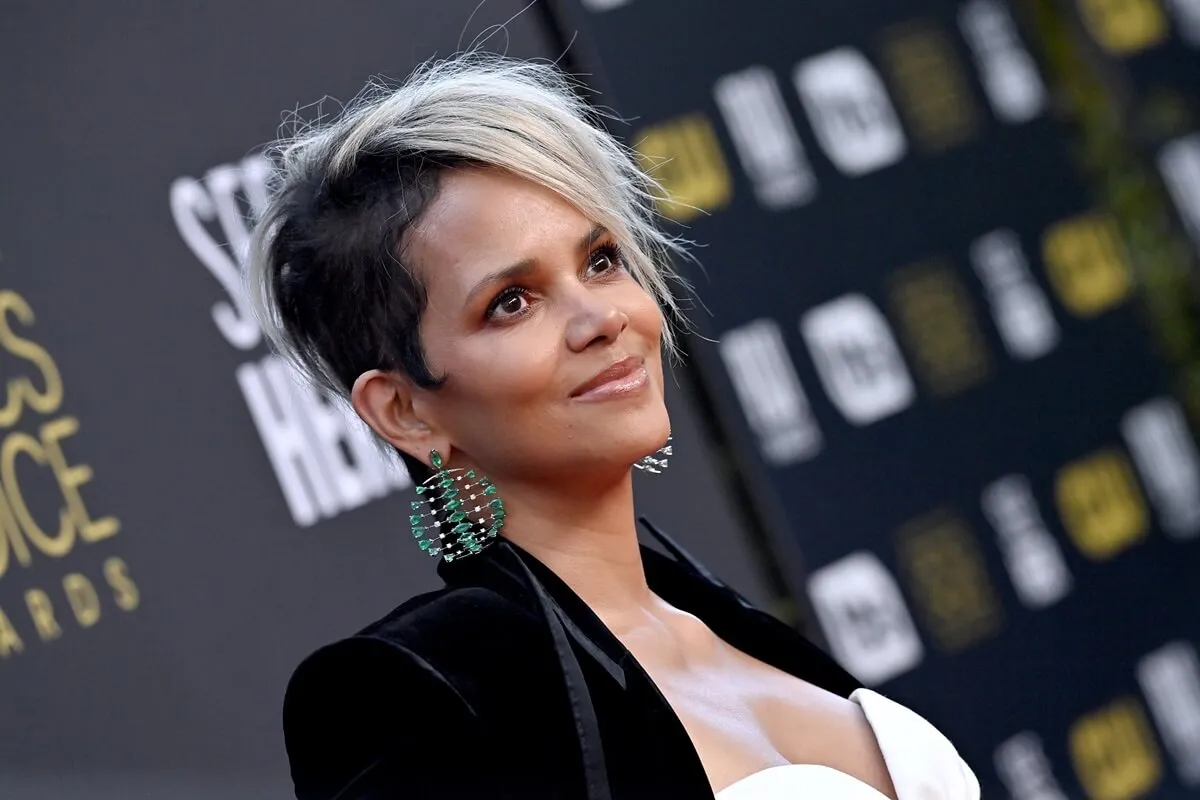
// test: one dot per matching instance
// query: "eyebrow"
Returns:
(523, 266)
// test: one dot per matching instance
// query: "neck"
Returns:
(587, 537)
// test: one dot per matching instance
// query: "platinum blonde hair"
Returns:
(326, 271)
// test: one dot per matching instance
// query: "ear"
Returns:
(384, 400)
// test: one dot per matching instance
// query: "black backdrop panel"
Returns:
(219, 524)
(930, 351)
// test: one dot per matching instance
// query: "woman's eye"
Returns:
(605, 258)
(509, 303)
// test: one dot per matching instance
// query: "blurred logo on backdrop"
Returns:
(51, 518)
(323, 456)
(1124, 26)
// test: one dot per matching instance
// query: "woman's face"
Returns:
(550, 348)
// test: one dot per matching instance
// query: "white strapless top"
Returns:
(921, 761)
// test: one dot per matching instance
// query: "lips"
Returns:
(619, 370)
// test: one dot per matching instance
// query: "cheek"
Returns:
(505, 372)
(646, 322)
(645, 317)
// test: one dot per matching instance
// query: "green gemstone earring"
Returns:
(458, 513)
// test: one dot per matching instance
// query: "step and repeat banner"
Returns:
(926, 343)
(180, 522)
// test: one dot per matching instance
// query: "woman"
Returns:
(473, 262)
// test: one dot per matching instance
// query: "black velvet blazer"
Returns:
(505, 685)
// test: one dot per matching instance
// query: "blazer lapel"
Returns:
(504, 567)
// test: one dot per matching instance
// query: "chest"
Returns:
(743, 717)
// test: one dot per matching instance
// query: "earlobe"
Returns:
(384, 400)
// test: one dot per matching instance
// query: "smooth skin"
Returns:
(528, 300)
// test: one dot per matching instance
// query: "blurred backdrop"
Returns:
(938, 409)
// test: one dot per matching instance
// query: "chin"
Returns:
(653, 429)
(629, 431)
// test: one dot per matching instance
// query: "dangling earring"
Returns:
(657, 461)
(448, 520)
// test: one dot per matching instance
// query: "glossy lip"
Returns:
(625, 376)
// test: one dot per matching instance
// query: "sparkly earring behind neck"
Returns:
(657, 461)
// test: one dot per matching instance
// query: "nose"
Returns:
(595, 321)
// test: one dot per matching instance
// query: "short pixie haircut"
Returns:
(327, 270)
